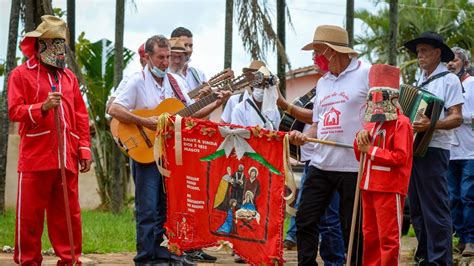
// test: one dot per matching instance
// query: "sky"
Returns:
(205, 18)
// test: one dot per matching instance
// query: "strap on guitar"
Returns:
(195, 75)
(429, 80)
(258, 111)
(241, 97)
(177, 91)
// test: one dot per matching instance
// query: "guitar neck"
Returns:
(195, 92)
(193, 108)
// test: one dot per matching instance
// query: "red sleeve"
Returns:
(403, 142)
(82, 123)
(356, 148)
(18, 110)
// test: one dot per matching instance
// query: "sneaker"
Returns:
(183, 260)
(289, 245)
(200, 256)
(469, 250)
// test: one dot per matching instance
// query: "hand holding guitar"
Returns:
(150, 122)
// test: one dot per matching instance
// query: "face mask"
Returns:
(257, 94)
(52, 52)
(322, 61)
(157, 72)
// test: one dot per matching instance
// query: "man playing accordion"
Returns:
(428, 190)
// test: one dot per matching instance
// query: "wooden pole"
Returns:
(328, 142)
(355, 209)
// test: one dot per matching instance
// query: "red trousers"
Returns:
(382, 225)
(37, 192)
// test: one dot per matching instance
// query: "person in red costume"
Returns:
(35, 89)
(386, 145)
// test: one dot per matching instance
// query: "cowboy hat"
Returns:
(51, 27)
(333, 36)
(434, 39)
(177, 45)
(254, 66)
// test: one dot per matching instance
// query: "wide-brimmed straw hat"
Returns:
(332, 36)
(254, 66)
(51, 27)
(432, 38)
(177, 45)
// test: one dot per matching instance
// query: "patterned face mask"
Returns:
(381, 105)
(52, 52)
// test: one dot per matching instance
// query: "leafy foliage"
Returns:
(450, 18)
(255, 28)
(96, 61)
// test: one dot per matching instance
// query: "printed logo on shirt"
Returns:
(333, 98)
(331, 123)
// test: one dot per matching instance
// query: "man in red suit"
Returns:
(386, 143)
(35, 89)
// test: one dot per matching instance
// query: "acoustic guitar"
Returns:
(289, 123)
(137, 141)
(214, 81)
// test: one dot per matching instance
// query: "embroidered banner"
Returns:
(230, 187)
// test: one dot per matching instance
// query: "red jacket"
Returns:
(389, 160)
(28, 87)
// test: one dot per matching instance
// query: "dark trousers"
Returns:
(150, 208)
(318, 190)
(429, 207)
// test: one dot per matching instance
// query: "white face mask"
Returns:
(257, 94)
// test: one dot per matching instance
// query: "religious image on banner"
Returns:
(224, 184)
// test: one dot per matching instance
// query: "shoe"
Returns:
(238, 259)
(289, 245)
(183, 260)
(200, 256)
(469, 250)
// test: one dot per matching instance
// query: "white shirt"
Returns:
(448, 88)
(339, 112)
(245, 115)
(191, 80)
(463, 146)
(230, 105)
(143, 92)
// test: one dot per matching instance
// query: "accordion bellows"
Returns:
(415, 102)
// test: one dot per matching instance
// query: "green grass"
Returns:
(102, 232)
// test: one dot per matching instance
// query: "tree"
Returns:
(256, 31)
(281, 30)
(229, 15)
(393, 30)
(452, 19)
(119, 172)
(71, 23)
(4, 122)
(350, 21)
(99, 85)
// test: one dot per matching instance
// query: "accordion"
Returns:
(415, 102)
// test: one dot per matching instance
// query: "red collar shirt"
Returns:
(28, 87)
(388, 162)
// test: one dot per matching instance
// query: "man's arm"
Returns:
(300, 113)
(452, 120)
(298, 138)
(206, 111)
(125, 116)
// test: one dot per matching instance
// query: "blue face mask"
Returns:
(157, 72)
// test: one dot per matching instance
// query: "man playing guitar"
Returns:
(146, 90)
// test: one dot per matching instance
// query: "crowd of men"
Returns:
(44, 96)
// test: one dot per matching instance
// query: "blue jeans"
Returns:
(150, 208)
(332, 243)
(429, 207)
(461, 196)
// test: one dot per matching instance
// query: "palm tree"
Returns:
(281, 26)
(119, 172)
(229, 15)
(452, 19)
(71, 23)
(350, 21)
(99, 85)
(9, 65)
(393, 30)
